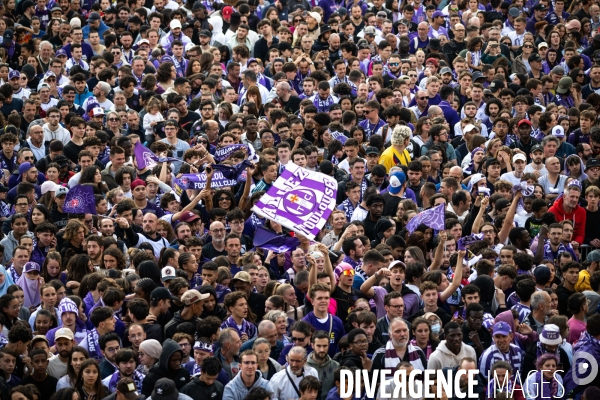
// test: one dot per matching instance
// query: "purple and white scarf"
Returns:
(137, 377)
(247, 327)
(13, 273)
(391, 359)
(428, 349)
(323, 105)
(94, 345)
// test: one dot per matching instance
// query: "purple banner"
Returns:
(223, 153)
(269, 240)
(300, 200)
(433, 218)
(145, 158)
(466, 241)
(80, 200)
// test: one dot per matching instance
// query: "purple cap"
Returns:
(250, 60)
(60, 52)
(502, 328)
(438, 13)
(32, 266)
(14, 74)
(24, 167)
(49, 73)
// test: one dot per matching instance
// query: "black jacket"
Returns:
(531, 357)
(161, 370)
(199, 390)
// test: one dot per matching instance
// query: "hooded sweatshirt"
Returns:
(444, 358)
(578, 216)
(161, 369)
(237, 390)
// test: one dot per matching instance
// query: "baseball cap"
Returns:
(49, 186)
(32, 266)
(496, 86)
(242, 276)
(372, 150)
(203, 346)
(193, 296)
(558, 70)
(564, 85)
(397, 180)
(502, 328)
(14, 74)
(540, 7)
(524, 121)
(227, 11)
(126, 386)
(188, 216)
(446, 70)
(382, 14)
(513, 12)
(61, 191)
(592, 162)
(519, 156)
(370, 30)
(94, 17)
(3, 189)
(175, 24)
(161, 293)
(96, 111)
(9, 34)
(469, 128)
(437, 13)
(165, 389)
(593, 256)
(537, 147)
(60, 53)
(551, 335)
(534, 57)
(205, 32)
(64, 333)
(558, 131)
(167, 273)
(545, 45)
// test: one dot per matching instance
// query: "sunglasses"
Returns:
(394, 64)
(348, 272)
(114, 119)
(422, 98)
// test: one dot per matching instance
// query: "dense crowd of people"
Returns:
(464, 138)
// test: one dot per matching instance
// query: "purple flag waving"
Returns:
(223, 153)
(145, 158)
(433, 218)
(300, 200)
(269, 240)
(465, 241)
(80, 200)
(232, 172)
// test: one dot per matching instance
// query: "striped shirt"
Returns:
(523, 311)
(514, 357)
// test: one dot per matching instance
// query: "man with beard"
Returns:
(584, 151)
(567, 207)
(126, 364)
(285, 382)
(216, 247)
(453, 47)
(14, 78)
(398, 349)
(536, 166)
(320, 360)
(474, 334)
(63, 341)
(148, 235)
(394, 70)
(594, 85)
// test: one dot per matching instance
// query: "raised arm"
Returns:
(510, 218)
(458, 272)
(479, 219)
(367, 287)
(244, 200)
(438, 258)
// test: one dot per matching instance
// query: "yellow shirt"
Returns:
(391, 157)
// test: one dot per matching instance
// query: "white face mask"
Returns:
(436, 328)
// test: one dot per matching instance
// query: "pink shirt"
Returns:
(576, 327)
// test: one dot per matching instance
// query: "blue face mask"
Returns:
(436, 328)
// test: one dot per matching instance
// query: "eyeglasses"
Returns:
(185, 345)
(422, 98)
(476, 320)
(412, 76)
(297, 339)
(361, 342)
(22, 204)
(397, 307)
(581, 74)
(292, 361)
(218, 231)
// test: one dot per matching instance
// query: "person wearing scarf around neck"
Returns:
(237, 305)
(323, 99)
(175, 34)
(126, 368)
(545, 383)
(31, 282)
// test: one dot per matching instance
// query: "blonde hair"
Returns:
(153, 102)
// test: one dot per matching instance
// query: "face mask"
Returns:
(436, 328)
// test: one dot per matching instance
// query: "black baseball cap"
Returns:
(161, 293)
(592, 162)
